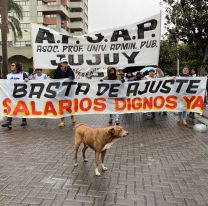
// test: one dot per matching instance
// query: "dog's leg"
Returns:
(78, 141)
(97, 154)
(83, 152)
(102, 159)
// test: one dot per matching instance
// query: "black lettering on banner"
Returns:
(68, 87)
(141, 28)
(80, 88)
(102, 88)
(166, 89)
(38, 93)
(49, 92)
(49, 48)
(192, 86)
(148, 44)
(132, 89)
(152, 90)
(97, 60)
(113, 92)
(181, 82)
(145, 89)
(19, 90)
(132, 57)
(123, 33)
(114, 61)
(65, 39)
(44, 34)
(99, 38)
(80, 60)
(54, 63)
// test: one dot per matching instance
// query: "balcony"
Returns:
(53, 9)
(76, 5)
(76, 25)
(76, 15)
(49, 20)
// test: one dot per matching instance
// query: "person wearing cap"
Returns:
(38, 75)
(151, 75)
(64, 71)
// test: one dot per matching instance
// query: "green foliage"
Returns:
(189, 55)
(13, 20)
(15, 13)
(187, 23)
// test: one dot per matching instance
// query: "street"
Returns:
(159, 163)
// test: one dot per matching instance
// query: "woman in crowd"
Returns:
(182, 116)
(16, 74)
(112, 75)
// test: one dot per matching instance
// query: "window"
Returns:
(52, 3)
(26, 13)
(23, 3)
(22, 44)
(40, 13)
(25, 26)
(76, 10)
(40, 2)
(50, 16)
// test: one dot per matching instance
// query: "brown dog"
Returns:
(98, 139)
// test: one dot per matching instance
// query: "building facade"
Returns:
(69, 17)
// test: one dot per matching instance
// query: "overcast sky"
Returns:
(104, 14)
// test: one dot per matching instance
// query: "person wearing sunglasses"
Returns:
(38, 75)
(16, 74)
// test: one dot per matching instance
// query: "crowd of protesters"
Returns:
(64, 71)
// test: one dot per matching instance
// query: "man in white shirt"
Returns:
(16, 74)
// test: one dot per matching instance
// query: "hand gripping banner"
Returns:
(59, 98)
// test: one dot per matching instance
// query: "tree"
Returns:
(189, 55)
(9, 21)
(187, 23)
(4, 30)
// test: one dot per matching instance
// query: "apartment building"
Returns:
(66, 16)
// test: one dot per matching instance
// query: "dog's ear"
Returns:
(111, 131)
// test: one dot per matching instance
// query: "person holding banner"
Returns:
(182, 116)
(129, 77)
(64, 71)
(38, 75)
(16, 74)
(112, 75)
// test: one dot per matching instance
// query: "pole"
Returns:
(4, 30)
(177, 60)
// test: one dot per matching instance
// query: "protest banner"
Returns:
(133, 45)
(59, 98)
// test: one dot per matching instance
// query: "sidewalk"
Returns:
(158, 164)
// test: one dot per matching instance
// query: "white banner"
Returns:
(59, 98)
(133, 45)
